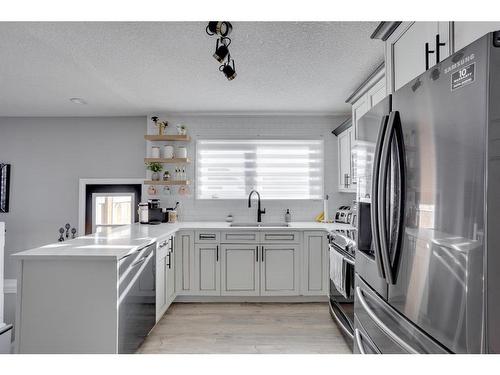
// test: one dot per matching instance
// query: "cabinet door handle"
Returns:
(262, 254)
(256, 253)
(217, 254)
(169, 260)
(438, 45)
(427, 53)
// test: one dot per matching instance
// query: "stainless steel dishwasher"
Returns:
(136, 298)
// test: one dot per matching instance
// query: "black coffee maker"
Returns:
(155, 214)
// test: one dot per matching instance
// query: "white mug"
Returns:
(155, 152)
(168, 152)
(181, 152)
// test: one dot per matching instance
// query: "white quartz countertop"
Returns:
(119, 242)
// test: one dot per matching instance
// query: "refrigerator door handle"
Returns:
(381, 205)
(381, 324)
(394, 133)
(400, 199)
(374, 202)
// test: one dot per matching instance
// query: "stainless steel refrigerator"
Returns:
(428, 167)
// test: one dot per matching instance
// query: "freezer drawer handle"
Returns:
(358, 338)
(382, 325)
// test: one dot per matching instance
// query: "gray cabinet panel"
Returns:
(207, 269)
(184, 278)
(315, 264)
(240, 271)
(279, 270)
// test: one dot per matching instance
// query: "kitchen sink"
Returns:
(259, 225)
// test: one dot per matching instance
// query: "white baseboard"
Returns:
(254, 299)
(10, 286)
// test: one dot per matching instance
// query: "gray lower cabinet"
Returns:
(184, 263)
(240, 270)
(207, 269)
(170, 272)
(165, 275)
(161, 278)
(315, 264)
(279, 270)
(251, 263)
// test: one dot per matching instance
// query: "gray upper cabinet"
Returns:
(466, 32)
(412, 49)
(369, 93)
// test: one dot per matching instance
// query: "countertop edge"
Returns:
(43, 251)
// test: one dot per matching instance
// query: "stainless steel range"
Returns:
(342, 249)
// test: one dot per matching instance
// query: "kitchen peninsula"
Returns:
(71, 294)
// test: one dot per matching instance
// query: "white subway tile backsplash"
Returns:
(252, 127)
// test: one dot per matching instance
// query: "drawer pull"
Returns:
(207, 237)
(288, 237)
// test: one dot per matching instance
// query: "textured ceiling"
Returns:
(142, 67)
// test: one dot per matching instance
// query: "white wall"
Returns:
(48, 157)
(209, 127)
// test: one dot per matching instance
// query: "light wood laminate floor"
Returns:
(221, 328)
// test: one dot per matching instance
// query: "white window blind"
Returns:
(277, 169)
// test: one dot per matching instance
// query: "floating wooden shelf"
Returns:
(167, 137)
(171, 182)
(170, 161)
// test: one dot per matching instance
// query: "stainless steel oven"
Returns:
(341, 300)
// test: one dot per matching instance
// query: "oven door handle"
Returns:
(350, 261)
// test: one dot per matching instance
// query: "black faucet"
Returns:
(259, 211)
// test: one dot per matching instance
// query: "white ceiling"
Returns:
(138, 68)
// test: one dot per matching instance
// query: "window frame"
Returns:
(82, 191)
(94, 212)
(258, 138)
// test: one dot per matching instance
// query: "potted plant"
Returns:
(155, 168)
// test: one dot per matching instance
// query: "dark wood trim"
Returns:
(384, 30)
(345, 125)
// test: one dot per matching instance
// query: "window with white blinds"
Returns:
(277, 169)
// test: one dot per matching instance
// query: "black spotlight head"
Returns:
(228, 70)
(221, 51)
(224, 28)
(221, 28)
(212, 27)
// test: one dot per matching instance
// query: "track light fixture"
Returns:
(222, 51)
(222, 29)
(228, 70)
